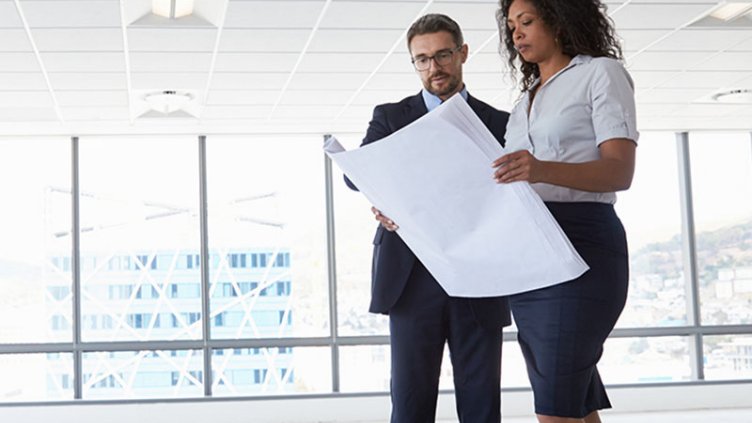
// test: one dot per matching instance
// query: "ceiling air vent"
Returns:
(739, 96)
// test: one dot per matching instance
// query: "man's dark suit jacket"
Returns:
(392, 259)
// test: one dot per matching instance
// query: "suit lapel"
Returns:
(478, 107)
(414, 108)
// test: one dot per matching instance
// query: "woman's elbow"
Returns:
(623, 183)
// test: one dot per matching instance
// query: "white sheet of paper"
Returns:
(478, 238)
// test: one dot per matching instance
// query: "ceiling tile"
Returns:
(169, 81)
(636, 39)
(486, 62)
(242, 97)
(371, 14)
(170, 62)
(374, 97)
(84, 62)
(666, 61)
(331, 62)
(263, 40)
(701, 40)
(469, 15)
(248, 80)
(14, 40)
(703, 79)
(708, 110)
(647, 79)
(18, 62)
(309, 113)
(395, 81)
(46, 14)
(255, 62)
(328, 81)
(78, 39)
(27, 114)
(23, 81)
(22, 99)
(95, 113)
(235, 112)
(658, 16)
(671, 95)
(488, 80)
(743, 46)
(92, 98)
(87, 81)
(272, 14)
(172, 39)
(355, 40)
(9, 15)
(729, 61)
(314, 97)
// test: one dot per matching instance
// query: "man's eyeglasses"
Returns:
(442, 58)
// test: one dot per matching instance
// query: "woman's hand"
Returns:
(386, 222)
(518, 166)
(613, 171)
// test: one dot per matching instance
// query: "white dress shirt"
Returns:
(588, 102)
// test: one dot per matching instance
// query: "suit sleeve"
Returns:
(498, 125)
(377, 129)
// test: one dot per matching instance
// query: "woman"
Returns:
(573, 137)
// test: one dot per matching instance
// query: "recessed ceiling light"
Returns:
(172, 9)
(739, 96)
(731, 11)
(168, 101)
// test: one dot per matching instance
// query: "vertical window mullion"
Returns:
(204, 267)
(76, 270)
(689, 254)
(331, 270)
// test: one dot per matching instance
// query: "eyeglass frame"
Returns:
(435, 59)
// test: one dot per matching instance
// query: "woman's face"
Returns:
(532, 38)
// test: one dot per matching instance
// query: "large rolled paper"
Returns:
(478, 238)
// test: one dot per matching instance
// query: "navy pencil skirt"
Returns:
(562, 328)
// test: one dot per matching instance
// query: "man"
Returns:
(422, 317)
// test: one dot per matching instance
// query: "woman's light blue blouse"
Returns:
(586, 103)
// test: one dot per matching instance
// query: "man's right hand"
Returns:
(386, 222)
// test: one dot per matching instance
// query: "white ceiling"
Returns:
(83, 66)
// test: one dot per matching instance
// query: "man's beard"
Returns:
(452, 83)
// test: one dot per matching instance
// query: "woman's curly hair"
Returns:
(580, 26)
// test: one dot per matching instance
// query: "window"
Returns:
(657, 294)
(723, 221)
(140, 226)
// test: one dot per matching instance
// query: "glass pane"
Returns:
(36, 377)
(267, 237)
(366, 368)
(35, 221)
(354, 245)
(513, 368)
(728, 357)
(651, 214)
(645, 360)
(722, 189)
(143, 374)
(139, 226)
(272, 371)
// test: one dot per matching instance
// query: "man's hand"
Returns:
(386, 222)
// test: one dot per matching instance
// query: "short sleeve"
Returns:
(612, 97)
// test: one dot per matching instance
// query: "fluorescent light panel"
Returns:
(172, 9)
(731, 11)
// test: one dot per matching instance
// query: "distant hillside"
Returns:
(724, 247)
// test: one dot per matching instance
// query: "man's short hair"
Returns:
(432, 23)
